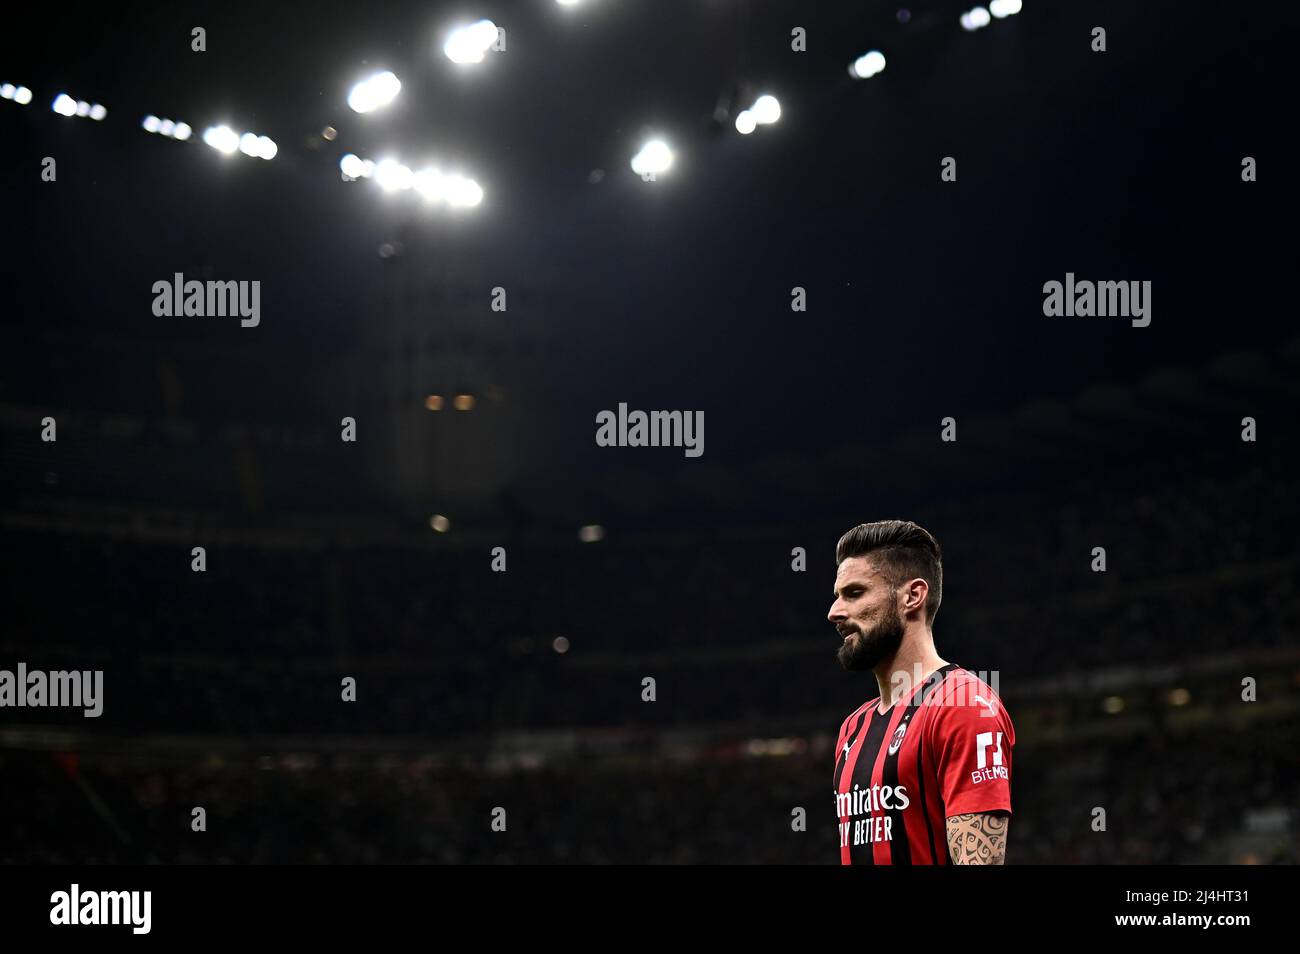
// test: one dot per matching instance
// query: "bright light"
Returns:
(98, 112)
(1005, 8)
(766, 110)
(151, 124)
(592, 533)
(468, 44)
(386, 86)
(392, 175)
(374, 91)
(7, 91)
(463, 192)
(266, 147)
(440, 523)
(352, 167)
(429, 183)
(966, 23)
(182, 131)
(567, 3)
(745, 122)
(463, 402)
(22, 96)
(83, 108)
(979, 17)
(166, 127)
(222, 138)
(433, 402)
(655, 157)
(64, 105)
(868, 65)
(249, 145)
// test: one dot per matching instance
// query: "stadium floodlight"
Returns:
(392, 175)
(267, 147)
(979, 17)
(222, 138)
(83, 108)
(867, 65)
(19, 94)
(98, 112)
(352, 167)
(469, 44)
(64, 105)
(766, 110)
(745, 122)
(462, 192)
(165, 127)
(591, 533)
(374, 92)
(249, 145)
(1005, 8)
(655, 157)
(431, 184)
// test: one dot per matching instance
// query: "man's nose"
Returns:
(837, 614)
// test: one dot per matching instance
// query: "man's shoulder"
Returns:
(962, 688)
(865, 707)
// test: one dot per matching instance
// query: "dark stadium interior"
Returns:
(523, 688)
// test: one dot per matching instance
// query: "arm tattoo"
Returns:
(979, 838)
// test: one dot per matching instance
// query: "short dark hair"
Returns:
(901, 550)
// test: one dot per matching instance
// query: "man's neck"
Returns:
(908, 668)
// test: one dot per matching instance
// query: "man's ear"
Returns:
(914, 594)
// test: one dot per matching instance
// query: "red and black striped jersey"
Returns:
(943, 749)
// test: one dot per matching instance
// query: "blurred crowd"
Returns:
(1165, 799)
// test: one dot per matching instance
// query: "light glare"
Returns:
(766, 110)
(655, 157)
(468, 44)
(222, 138)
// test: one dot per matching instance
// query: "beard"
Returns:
(868, 650)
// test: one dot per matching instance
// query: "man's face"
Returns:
(865, 614)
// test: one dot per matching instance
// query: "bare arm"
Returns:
(979, 838)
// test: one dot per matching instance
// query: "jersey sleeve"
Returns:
(972, 736)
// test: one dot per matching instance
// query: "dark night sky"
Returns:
(925, 297)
